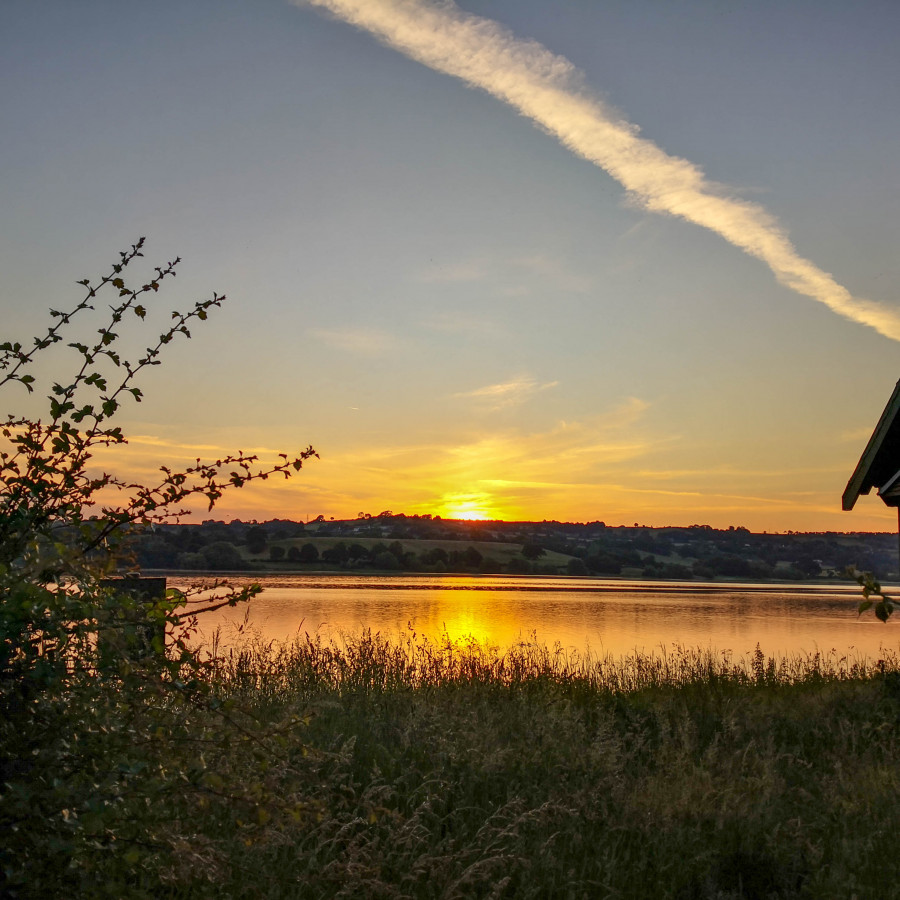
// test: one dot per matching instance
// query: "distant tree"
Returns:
(276, 553)
(532, 551)
(190, 561)
(519, 566)
(604, 564)
(434, 555)
(293, 554)
(256, 539)
(222, 556)
(472, 558)
(386, 560)
(154, 552)
(811, 568)
(188, 538)
(309, 553)
(337, 554)
(577, 566)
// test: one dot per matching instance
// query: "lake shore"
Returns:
(721, 583)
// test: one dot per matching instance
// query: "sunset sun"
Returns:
(470, 507)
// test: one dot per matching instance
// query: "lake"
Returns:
(606, 616)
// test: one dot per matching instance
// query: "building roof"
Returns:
(879, 464)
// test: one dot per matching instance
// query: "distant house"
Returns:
(879, 465)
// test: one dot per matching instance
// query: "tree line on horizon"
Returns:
(395, 543)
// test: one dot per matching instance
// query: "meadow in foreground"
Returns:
(409, 769)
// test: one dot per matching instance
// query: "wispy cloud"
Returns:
(550, 91)
(361, 341)
(569, 452)
(508, 393)
(554, 270)
(454, 273)
(516, 274)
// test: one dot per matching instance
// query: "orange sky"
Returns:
(630, 262)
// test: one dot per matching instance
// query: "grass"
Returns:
(371, 768)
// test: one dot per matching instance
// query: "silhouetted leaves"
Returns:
(96, 710)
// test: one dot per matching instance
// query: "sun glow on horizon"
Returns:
(469, 507)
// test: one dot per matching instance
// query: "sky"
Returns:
(630, 261)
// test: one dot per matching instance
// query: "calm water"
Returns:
(606, 616)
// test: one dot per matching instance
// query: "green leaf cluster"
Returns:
(871, 588)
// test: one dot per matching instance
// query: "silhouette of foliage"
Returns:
(95, 703)
(871, 588)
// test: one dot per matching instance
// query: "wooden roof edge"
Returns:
(890, 490)
(855, 484)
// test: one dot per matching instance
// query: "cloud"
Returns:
(509, 393)
(568, 453)
(360, 341)
(505, 275)
(548, 89)
(454, 273)
(554, 270)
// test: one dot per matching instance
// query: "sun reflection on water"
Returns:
(605, 617)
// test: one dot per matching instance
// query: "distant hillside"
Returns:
(433, 545)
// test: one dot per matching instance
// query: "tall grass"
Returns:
(373, 662)
(439, 769)
(408, 768)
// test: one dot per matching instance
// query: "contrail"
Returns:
(550, 91)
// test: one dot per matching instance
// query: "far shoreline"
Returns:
(701, 585)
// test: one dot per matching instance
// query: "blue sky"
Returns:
(459, 312)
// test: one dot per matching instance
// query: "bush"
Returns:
(96, 708)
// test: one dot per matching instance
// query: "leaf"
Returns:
(213, 780)
(866, 604)
(882, 611)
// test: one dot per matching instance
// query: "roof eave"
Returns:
(856, 485)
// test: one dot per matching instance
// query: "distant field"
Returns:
(502, 552)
